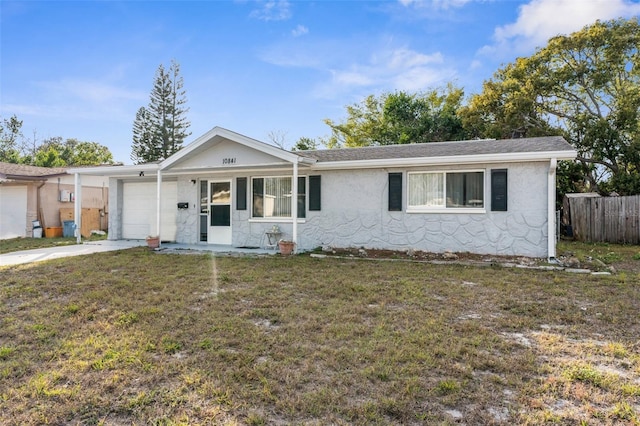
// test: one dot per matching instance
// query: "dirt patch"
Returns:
(628, 266)
(565, 260)
(420, 255)
(601, 256)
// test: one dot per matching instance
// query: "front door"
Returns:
(219, 212)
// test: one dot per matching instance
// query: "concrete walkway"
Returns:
(39, 255)
(215, 248)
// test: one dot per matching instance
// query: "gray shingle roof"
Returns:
(442, 149)
(11, 170)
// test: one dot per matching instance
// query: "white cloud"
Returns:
(294, 55)
(353, 77)
(272, 10)
(418, 79)
(387, 70)
(356, 65)
(475, 64)
(434, 4)
(24, 110)
(539, 20)
(300, 30)
(91, 91)
(77, 99)
(405, 58)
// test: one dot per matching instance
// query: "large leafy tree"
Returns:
(10, 136)
(160, 129)
(305, 144)
(400, 118)
(585, 86)
(54, 152)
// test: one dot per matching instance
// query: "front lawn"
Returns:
(19, 244)
(623, 257)
(140, 337)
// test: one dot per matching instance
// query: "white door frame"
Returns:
(219, 234)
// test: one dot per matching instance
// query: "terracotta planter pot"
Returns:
(286, 247)
(153, 242)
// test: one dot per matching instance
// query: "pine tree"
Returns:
(143, 146)
(160, 129)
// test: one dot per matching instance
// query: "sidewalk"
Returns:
(38, 255)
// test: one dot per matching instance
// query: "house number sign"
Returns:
(229, 160)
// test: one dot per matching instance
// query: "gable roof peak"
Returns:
(218, 134)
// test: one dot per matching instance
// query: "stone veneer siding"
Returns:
(188, 226)
(355, 214)
(115, 209)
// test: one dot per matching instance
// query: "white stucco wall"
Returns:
(187, 219)
(246, 232)
(115, 208)
(355, 214)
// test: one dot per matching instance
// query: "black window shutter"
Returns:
(258, 197)
(241, 193)
(302, 190)
(395, 192)
(499, 190)
(314, 193)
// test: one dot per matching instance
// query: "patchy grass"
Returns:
(622, 257)
(19, 244)
(139, 337)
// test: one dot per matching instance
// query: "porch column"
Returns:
(77, 206)
(294, 204)
(551, 209)
(158, 203)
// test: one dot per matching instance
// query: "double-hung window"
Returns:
(436, 191)
(272, 197)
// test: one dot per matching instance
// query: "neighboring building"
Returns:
(30, 193)
(481, 196)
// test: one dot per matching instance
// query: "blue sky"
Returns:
(81, 69)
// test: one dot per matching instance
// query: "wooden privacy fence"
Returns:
(606, 219)
(89, 219)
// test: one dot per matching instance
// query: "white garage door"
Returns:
(13, 211)
(139, 210)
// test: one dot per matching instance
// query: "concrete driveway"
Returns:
(38, 255)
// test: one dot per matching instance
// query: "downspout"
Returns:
(158, 204)
(77, 206)
(38, 204)
(551, 210)
(294, 205)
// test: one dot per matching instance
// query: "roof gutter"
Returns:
(116, 171)
(38, 202)
(457, 159)
(20, 178)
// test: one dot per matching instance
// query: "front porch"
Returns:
(224, 190)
